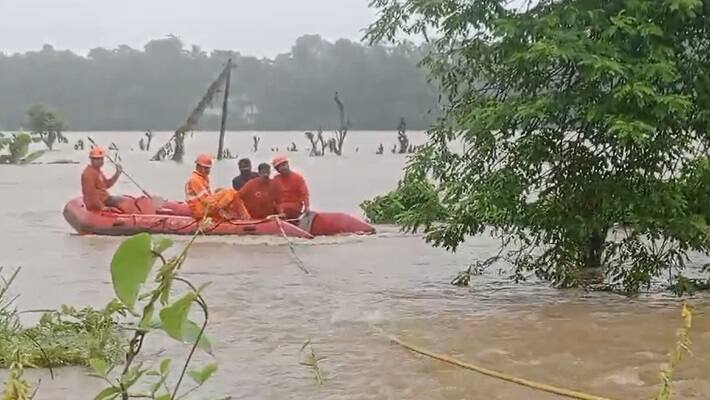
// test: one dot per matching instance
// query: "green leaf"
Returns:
(164, 397)
(99, 366)
(132, 376)
(174, 317)
(190, 334)
(161, 245)
(203, 287)
(165, 366)
(147, 318)
(130, 267)
(201, 376)
(108, 393)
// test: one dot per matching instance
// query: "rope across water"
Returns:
(296, 258)
(572, 394)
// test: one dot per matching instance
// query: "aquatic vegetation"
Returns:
(312, 361)
(60, 338)
(93, 338)
(16, 386)
(67, 337)
(18, 146)
(411, 197)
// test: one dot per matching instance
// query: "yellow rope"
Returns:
(495, 374)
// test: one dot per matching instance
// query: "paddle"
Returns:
(124, 171)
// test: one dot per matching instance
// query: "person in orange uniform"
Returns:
(259, 195)
(94, 185)
(292, 198)
(223, 205)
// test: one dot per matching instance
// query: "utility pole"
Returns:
(225, 105)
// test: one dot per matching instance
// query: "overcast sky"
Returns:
(252, 27)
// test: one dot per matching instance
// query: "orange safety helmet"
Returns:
(204, 160)
(278, 160)
(97, 152)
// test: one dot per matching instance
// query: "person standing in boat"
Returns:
(259, 195)
(292, 198)
(94, 185)
(222, 205)
(245, 174)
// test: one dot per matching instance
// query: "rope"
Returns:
(494, 374)
(297, 259)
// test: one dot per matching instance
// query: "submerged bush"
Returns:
(60, 338)
(412, 195)
(18, 146)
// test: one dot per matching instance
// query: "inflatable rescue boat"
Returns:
(173, 218)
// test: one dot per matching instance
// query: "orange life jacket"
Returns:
(197, 191)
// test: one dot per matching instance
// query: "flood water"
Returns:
(263, 306)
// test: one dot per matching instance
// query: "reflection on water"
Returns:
(264, 307)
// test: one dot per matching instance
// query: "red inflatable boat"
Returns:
(174, 218)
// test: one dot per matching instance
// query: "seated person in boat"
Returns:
(245, 174)
(292, 198)
(259, 195)
(222, 205)
(94, 185)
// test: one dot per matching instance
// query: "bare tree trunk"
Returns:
(314, 143)
(148, 135)
(342, 131)
(323, 143)
(225, 107)
(179, 135)
(402, 137)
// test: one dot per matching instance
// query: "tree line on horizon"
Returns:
(154, 88)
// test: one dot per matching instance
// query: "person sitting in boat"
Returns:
(259, 195)
(292, 198)
(94, 185)
(245, 174)
(222, 205)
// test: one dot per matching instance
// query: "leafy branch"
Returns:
(132, 263)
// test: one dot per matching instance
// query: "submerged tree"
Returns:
(321, 141)
(402, 137)
(585, 125)
(47, 125)
(149, 139)
(342, 132)
(314, 144)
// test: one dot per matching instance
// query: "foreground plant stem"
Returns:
(164, 282)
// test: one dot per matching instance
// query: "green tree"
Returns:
(584, 127)
(155, 87)
(46, 124)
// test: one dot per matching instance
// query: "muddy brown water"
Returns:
(263, 307)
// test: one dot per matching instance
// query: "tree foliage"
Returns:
(46, 124)
(155, 88)
(18, 149)
(584, 127)
(412, 197)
